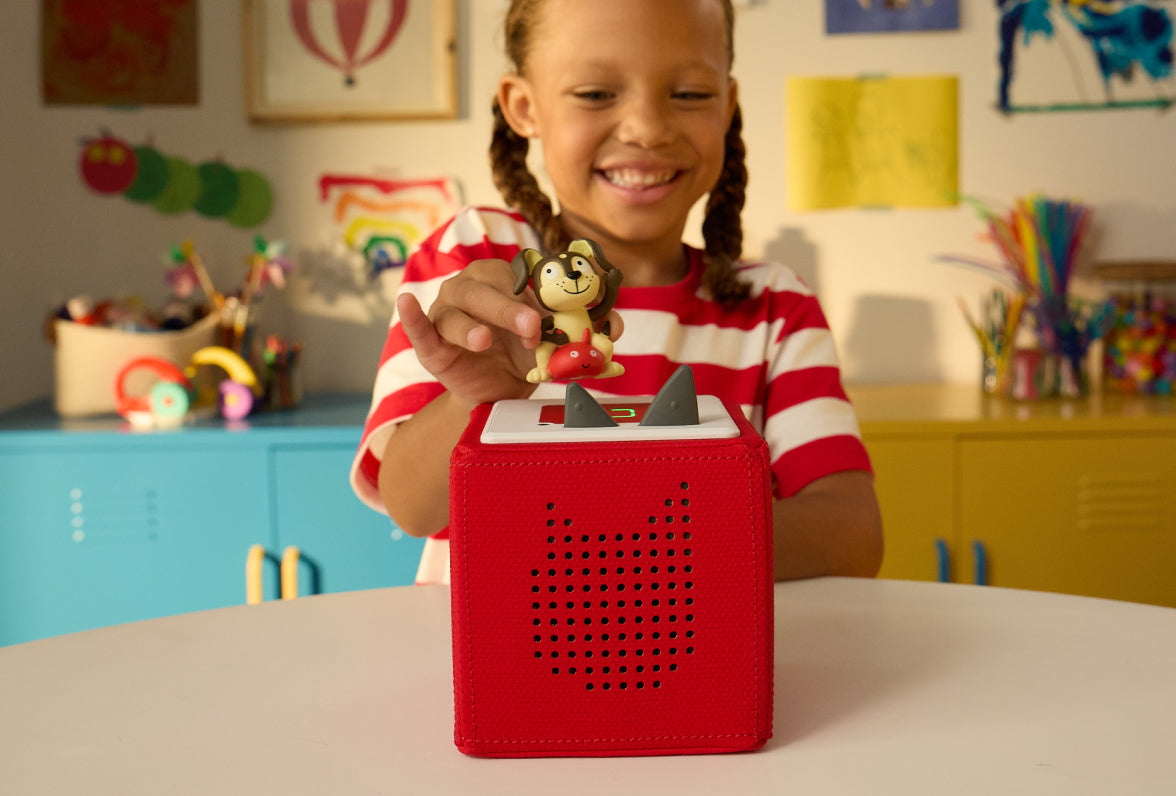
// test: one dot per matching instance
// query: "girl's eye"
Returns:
(692, 96)
(597, 95)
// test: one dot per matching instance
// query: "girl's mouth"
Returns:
(639, 179)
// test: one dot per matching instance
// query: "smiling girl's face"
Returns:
(631, 100)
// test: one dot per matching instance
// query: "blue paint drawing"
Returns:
(1127, 39)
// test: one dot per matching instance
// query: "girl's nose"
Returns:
(646, 123)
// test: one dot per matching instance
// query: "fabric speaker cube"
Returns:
(611, 596)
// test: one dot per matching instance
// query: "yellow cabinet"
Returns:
(1069, 496)
(914, 481)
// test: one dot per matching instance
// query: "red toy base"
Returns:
(611, 598)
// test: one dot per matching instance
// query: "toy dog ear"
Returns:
(612, 276)
(588, 248)
(522, 265)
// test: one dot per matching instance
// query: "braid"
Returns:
(722, 229)
(519, 188)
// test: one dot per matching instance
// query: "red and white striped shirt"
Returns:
(773, 355)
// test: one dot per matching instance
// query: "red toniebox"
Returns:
(611, 583)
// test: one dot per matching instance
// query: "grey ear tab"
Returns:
(582, 411)
(676, 403)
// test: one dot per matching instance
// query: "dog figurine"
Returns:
(569, 287)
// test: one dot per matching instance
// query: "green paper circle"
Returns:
(218, 189)
(183, 186)
(151, 178)
(254, 201)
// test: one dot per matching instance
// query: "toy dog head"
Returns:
(567, 280)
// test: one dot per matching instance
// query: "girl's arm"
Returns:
(414, 474)
(832, 526)
(476, 341)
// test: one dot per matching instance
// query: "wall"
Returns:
(891, 307)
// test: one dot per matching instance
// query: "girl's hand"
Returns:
(478, 339)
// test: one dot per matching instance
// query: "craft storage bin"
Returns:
(1139, 355)
(87, 359)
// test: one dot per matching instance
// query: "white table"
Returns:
(882, 687)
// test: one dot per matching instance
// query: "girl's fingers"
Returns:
(616, 325)
(466, 313)
(417, 326)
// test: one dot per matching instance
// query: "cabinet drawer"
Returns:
(1091, 515)
(345, 545)
(97, 537)
(913, 480)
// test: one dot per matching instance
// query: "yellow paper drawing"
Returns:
(872, 141)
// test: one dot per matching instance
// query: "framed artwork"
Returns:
(119, 53)
(1070, 56)
(885, 16)
(348, 60)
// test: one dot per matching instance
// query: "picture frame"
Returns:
(349, 60)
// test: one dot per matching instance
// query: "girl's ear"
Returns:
(516, 99)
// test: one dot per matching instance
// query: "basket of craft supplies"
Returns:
(89, 351)
(94, 340)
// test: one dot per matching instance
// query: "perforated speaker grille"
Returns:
(616, 610)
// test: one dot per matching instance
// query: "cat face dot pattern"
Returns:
(614, 608)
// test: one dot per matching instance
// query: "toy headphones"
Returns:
(165, 404)
(239, 392)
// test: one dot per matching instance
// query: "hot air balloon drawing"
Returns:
(350, 60)
(341, 47)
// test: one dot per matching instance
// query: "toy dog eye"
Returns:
(580, 264)
(549, 271)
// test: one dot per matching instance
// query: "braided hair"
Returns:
(518, 186)
(722, 229)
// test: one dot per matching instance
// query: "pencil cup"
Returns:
(1073, 380)
(994, 377)
(281, 374)
(1033, 375)
(238, 325)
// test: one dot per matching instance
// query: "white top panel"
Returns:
(538, 421)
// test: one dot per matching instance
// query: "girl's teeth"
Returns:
(631, 178)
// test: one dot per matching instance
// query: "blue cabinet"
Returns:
(313, 506)
(101, 525)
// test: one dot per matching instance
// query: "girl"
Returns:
(634, 105)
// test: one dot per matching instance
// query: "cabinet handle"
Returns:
(290, 559)
(253, 563)
(980, 556)
(943, 560)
